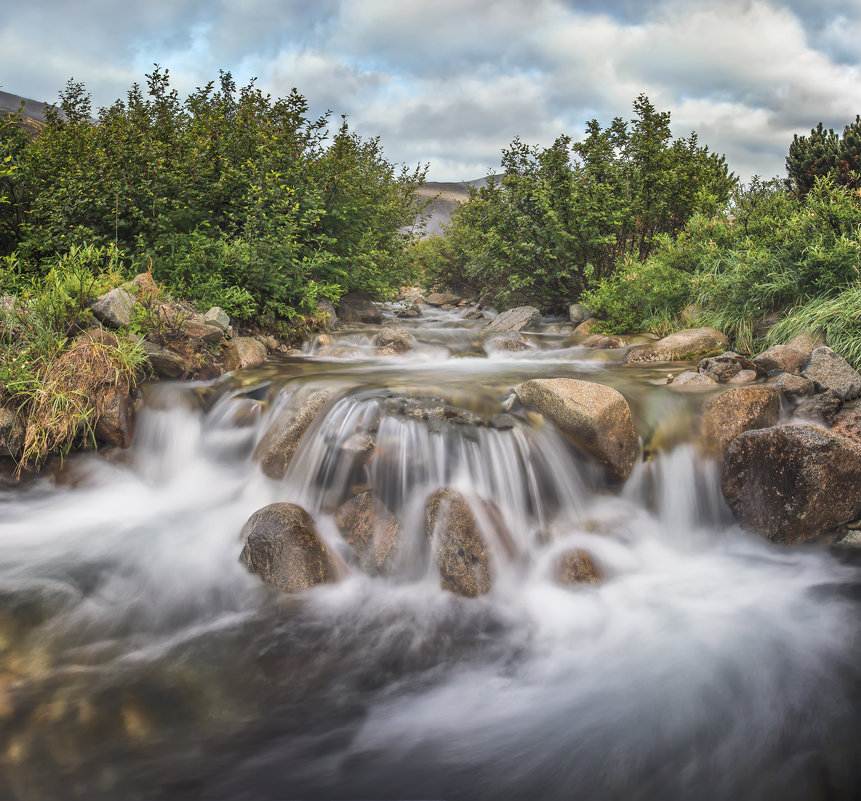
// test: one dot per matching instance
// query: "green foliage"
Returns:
(825, 155)
(559, 219)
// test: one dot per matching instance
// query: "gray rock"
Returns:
(326, 310)
(442, 299)
(822, 408)
(373, 532)
(164, 362)
(357, 307)
(791, 483)
(724, 367)
(735, 411)
(12, 433)
(278, 445)
(398, 339)
(242, 353)
(781, 357)
(829, 371)
(691, 380)
(461, 552)
(794, 387)
(218, 317)
(743, 377)
(596, 418)
(692, 343)
(282, 546)
(507, 340)
(115, 308)
(577, 313)
(116, 423)
(515, 319)
(473, 314)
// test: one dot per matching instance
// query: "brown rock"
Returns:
(461, 552)
(442, 299)
(282, 546)
(738, 410)
(743, 377)
(692, 380)
(279, 443)
(357, 307)
(164, 362)
(399, 339)
(595, 417)
(586, 326)
(790, 483)
(724, 367)
(794, 387)
(820, 408)
(781, 357)
(692, 343)
(116, 424)
(242, 353)
(602, 341)
(576, 567)
(373, 532)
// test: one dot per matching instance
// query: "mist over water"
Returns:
(140, 659)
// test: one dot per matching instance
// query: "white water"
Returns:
(141, 659)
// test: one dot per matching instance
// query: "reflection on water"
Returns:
(139, 659)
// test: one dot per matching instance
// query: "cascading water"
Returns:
(140, 659)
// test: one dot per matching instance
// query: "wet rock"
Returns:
(575, 566)
(692, 343)
(278, 445)
(724, 367)
(12, 432)
(692, 380)
(781, 357)
(515, 319)
(602, 341)
(820, 408)
(743, 377)
(242, 353)
(195, 328)
(442, 299)
(388, 350)
(372, 531)
(807, 341)
(326, 311)
(793, 387)
(847, 422)
(398, 339)
(485, 300)
(282, 546)
(508, 340)
(461, 552)
(411, 313)
(577, 313)
(116, 424)
(586, 326)
(735, 411)
(790, 483)
(164, 362)
(830, 371)
(217, 317)
(115, 308)
(595, 417)
(323, 341)
(357, 307)
(473, 314)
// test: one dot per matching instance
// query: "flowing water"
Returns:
(140, 660)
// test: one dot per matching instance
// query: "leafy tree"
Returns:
(825, 155)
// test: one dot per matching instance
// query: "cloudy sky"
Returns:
(451, 82)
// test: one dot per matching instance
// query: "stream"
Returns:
(140, 659)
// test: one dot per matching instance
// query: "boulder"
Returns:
(830, 371)
(114, 309)
(12, 433)
(847, 422)
(217, 317)
(116, 423)
(196, 328)
(473, 314)
(279, 443)
(577, 313)
(442, 299)
(692, 380)
(724, 367)
(596, 418)
(585, 327)
(460, 551)
(692, 343)
(410, 313)
(326, 310)
(781, 357)
(507, 340)
(807, 341)
(164, 362)
(743, 377)
(575, 566)
(793, 387)
(515, 319)
(357, 307)
(282, 546)
(373, 532)
(735, 411)
(821, 408)
(790, 482)
(242, 353)
(602, 341)
(398, 339)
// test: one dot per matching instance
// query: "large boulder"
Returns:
(282, 546)
(725, 367)
(164, 362)
(12, 432)
(372, 530)
(793, 387)
(692, 343)
(357, 307)
(577, 313)
(115, 308)
(242, 353)
(830, 371)
(791, 482)
(398, 339)
(595, 417)
(326, 311)
(781, 357)
(216, 316)
(278, 445)
(460, 550)
(515, 319)
(442, 299)
(116, 423)
(735, 411)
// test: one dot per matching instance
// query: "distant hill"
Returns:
(33, 113)
(444, 196)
